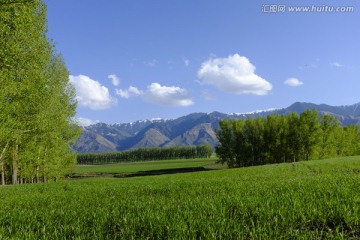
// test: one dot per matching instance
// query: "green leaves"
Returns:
(287, 138)
(146, 154)
(36, 103)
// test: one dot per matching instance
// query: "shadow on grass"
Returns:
(161, 172)
(140, 173)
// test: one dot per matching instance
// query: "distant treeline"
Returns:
(285, 138)
(146, 154)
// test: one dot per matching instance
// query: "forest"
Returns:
(285, 138)
(147, 154)
(37, 104)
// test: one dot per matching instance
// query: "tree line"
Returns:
(285, 138)
(146, 154)
(37, 103)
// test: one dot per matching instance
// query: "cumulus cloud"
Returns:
(293, 82)
(336, 64)
(234, 74)
(168, 96)
(130, 92)
(84, 122)
(91, 94)
(114, 79)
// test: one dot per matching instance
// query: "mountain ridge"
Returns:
(192, 129)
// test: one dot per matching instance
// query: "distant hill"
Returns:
(193, 129)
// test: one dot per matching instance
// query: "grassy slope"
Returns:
(307, 200)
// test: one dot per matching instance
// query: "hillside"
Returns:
(193, 129)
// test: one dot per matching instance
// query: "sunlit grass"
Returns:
(144, 166)
(305, 200)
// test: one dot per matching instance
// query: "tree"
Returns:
(253, 131)
(329, 125)
(293, 137)
(310, 133)
(225, 149)
(239, 142)
(204, 150)
(37, 103)
(273, 149)
(282, 151)
(285, 138)
(350, 141)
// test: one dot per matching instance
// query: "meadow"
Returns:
(134, 167)
(317, 199)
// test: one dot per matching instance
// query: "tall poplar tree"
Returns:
(37, 103)
(226, 149)
(329, 125)
(310, 131)
(293, 137)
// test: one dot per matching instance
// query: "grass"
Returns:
(134, 167)
(305, 200)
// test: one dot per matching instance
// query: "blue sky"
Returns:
(142, 59)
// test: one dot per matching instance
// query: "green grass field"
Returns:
(305, 200)
(144, 166)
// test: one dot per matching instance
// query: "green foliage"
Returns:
(227, 139)
(289, 138)
(146, 154)
(204, 151)
(329, 127)
(36, 101)
(304, 200)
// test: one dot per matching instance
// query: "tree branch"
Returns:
(16, 2)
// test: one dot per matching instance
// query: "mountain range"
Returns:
(190, 130)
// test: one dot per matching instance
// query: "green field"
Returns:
(133, 167)
(304, 200)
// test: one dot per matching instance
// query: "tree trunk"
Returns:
(15, 162)
(2, 171)
(37, 174)
(2, 163)
(2, 174)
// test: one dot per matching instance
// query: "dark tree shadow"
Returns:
(161, 172)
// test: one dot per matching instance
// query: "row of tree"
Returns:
(285, 138)
(146, 154)
(36, 101)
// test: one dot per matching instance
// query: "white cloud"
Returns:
(293, 82)
(84, 122)
(336, 64)
(169, 96)
(130, 92)
(91, 94)
(186, 62)
(151, 63)
(234, 74)
(114, 79)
